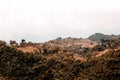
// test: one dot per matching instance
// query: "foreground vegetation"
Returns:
(16, 65)
(54, 62)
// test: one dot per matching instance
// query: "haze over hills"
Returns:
(48, 40)
(99, 36)
(74, 43)
(62, 59)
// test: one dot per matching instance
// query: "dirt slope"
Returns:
(29, 49)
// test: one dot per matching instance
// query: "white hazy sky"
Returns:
(42, 20)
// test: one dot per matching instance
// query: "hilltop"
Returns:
(102, 37)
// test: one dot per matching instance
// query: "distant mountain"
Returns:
(99, 37)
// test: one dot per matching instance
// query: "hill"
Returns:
(52, 62)
(67, 42)
(19, 66)
(99, 37)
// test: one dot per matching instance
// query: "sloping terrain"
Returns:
(29, 49)
(68, 42)
(70, 45)
(61, 59)
(99, 37)
(19, 66)
(58, 65)
(105, 67)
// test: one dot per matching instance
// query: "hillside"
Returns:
(102, 37)
(61, 59)
(71, 45)
(106, 67)
(67, 42)
(20, 66)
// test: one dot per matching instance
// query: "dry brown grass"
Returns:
(102, 53)
(80, 58)
(74, 42)
(106, 51)
(29, 49)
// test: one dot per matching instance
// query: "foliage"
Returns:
(53, 64)
(99, 37)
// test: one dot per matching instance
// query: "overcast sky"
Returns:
(42, 20)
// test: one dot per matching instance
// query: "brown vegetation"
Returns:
(28, 49)
(55, 62)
